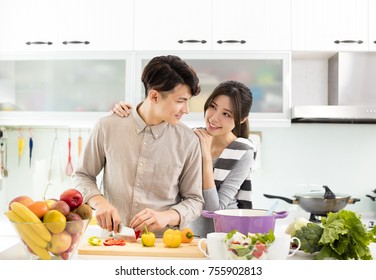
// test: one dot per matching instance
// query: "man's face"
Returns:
(172, 107)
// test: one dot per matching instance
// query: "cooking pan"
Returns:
(319, 203)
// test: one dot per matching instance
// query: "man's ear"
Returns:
(153, 96)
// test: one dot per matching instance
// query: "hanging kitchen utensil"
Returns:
(3, 157)
(79, 143)
(69, 167)
(21, 146)
(55, 166)
(319, 203)
(31, 144)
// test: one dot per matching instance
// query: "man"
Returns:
(151, 162)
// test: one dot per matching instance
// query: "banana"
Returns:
(28, 216)
(26, 228)
(42, 253)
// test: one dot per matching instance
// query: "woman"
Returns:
(227, 152)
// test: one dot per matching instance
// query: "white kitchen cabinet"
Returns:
(172, 25)
(372, 24)
(252, 25)
(70, 90)
(66, 25)
(27, 25)
(329, 25)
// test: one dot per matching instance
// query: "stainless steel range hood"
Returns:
(351, 92)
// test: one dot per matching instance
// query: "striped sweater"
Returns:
(225, 163)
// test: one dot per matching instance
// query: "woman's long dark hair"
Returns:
(241, 100)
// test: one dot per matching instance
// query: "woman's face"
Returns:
(219, 116)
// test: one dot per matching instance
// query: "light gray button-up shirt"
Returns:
(156, 167)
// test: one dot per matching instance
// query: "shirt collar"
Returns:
(140, 125)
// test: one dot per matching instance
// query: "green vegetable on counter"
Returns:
(309, 237)
(341, 235)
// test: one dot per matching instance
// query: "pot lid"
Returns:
(328, 194)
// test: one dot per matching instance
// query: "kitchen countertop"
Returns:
(11, 248)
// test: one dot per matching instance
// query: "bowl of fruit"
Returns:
(253, 246)
(50, 229)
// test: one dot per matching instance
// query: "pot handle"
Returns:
(281, 214)
(208, 214)
(353, 200)
(288, 200)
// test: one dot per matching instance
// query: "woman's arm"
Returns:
(215, 200)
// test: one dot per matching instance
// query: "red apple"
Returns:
(73, 197)
(23, 199)
(74, 224)
(61, 206)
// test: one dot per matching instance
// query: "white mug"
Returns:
(280, 248)
(215, 246)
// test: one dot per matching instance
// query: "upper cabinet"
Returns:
(66, 25)
(334, 25)
(252, 25)
(212, 25)
(172, 25)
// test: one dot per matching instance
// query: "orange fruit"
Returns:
(39, 208)
(55, 221)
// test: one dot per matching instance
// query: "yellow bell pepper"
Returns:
(172, 238)
(147, 238)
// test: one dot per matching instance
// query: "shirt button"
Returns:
(136, 204)
(141, 164)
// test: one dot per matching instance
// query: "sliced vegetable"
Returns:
(94, 241)
(114, 242)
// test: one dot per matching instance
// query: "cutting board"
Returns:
(185, 250)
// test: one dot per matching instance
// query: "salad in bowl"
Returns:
(253, 246)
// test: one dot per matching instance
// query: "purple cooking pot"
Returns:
(244, 220)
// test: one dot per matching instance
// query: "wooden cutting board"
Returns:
(189, 250)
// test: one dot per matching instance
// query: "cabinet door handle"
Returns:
(38, 43)
(349, 42)
(76, 42)
(231, 41)
(192, 41)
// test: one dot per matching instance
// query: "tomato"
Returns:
(94, 241)
(138, 233)
(260, 249)
(260, 246)
(114, 242)
(187, 235)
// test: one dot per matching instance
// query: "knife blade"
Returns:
(126, 233)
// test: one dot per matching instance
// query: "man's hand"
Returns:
(154, 220)
(107, 216)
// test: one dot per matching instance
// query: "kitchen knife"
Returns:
(126, 233)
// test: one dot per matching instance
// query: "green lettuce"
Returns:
(344, 237)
